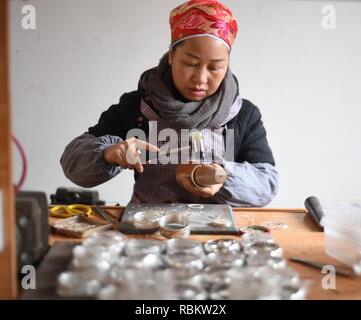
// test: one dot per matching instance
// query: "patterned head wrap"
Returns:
(197, 18)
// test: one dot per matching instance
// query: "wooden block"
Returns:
(79, 226)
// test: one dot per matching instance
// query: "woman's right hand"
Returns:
(126, 153)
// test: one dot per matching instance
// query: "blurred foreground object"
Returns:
(75, 196)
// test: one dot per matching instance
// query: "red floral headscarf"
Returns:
(203, 17)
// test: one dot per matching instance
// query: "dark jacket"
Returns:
(252, 177)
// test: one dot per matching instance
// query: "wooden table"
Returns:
(301, 238)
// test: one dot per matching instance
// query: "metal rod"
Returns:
(174, 150)
(102, 213)
(319, 265)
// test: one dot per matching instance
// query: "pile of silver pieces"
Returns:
(109, 266)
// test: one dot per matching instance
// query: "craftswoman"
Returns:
(192, 88)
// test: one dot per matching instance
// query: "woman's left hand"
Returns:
(183, 176)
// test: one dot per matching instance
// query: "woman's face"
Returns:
(198, 67)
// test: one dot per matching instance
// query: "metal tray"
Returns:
(200, 215)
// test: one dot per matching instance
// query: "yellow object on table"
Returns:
(71, 211)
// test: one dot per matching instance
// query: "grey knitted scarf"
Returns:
(164, 99)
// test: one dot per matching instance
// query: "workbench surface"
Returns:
(301, 238)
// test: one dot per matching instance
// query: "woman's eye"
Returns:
(215, 68)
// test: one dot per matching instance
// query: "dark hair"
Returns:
(174, 48)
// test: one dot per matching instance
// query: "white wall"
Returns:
(85, 53)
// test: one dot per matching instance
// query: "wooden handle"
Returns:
(207, 176)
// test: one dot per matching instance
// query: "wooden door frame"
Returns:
(8, 269)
